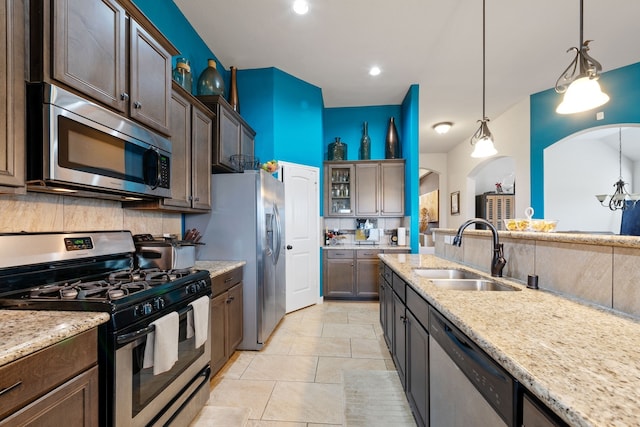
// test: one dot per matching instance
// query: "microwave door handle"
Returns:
(156, 159)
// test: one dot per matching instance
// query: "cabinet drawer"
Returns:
(387, 273)
(222, 282)
(38, 373)
(367, 253)
(419, 307)
(340, 253)
(399, 287)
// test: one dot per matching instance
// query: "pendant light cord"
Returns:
(581, 24)
(484, 60)
(620, 150)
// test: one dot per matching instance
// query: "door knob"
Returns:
(289, 247)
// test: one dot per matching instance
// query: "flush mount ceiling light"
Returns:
(619, 198)
(482, 140)
(374, 71)
(579, 81)
(300, 7)
(442, 127)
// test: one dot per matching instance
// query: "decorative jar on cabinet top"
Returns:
(365, 143)
(210, 81)
(337, 150)
(182, 73)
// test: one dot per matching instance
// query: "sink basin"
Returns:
(471, 285)
(438, 273)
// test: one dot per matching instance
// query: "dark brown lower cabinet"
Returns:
(55, 386)
(399, 343)
(418, 370)
(538, 415)
(226, 325)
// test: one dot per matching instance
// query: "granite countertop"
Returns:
(23, 332)
(356, 246)
(599, 239)
(581, 361)
(217, 268)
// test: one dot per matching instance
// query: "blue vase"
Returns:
(365, 143)
(210, 81)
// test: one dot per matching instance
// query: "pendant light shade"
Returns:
(483, 146)
(579, 81)
(583, 94)
(482, 140)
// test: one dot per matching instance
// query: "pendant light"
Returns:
(579, 81)
(618, 200)
(482, 140)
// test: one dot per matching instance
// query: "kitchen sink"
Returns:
(439, 273)
(471, 285)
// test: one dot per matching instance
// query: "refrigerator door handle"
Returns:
(278, 232)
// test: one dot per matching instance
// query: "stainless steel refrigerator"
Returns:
(246, 223)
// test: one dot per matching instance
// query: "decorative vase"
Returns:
(233, 90)
(392, 144)
(210, 81)
(182, 73)
(337, 150)
(365, 143)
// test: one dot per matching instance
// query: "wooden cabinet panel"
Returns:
(180, 123)
(89, 48)
(418, 368)
(231, 134)
(218, 334)
(375, 188)
(226, 317)
(535, 415)
(201, 134)
(398, 340)
(12, 97)
(150, 80)
(234, 309)
(32, 376)
(74, 403)
(106, 49)
(367, 190)
(339, 278)
(392, 189)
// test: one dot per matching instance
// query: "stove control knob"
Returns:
(158, 303)
(144, 309)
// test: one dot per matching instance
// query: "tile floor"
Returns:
(319, 368)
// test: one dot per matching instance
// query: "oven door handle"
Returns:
(132, 336)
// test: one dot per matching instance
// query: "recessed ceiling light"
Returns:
(374, 71)
(300, 7)
(442, 127)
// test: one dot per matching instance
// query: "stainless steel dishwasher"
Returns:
(467, 388)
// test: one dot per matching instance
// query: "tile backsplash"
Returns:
(37, 212)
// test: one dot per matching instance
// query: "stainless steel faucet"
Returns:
(497, 260)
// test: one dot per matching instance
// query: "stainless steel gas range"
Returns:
(96, 271)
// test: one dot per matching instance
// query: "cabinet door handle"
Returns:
(8, 389)
(228, 279)
(137, 105)
(124, 96)
(230, 300)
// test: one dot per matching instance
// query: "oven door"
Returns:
(141, 398)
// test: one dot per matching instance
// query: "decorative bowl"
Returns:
(525, 224)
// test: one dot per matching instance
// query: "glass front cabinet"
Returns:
(339, 193)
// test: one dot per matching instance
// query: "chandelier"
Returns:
(579, 81)
(619, 198)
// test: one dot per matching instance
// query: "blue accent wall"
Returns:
(346, 123)
(547, 127)
(411, 126)
(172, 23)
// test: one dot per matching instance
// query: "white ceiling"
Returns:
(434, 43)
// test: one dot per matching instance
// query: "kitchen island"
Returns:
(580, 360)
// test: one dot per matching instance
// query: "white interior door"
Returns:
(302, 234)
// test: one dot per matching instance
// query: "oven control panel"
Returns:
(78, 243)
(196, 287)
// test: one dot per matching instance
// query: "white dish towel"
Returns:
(198, 320)
(161, 350)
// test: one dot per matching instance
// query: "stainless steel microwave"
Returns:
(77, 147)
